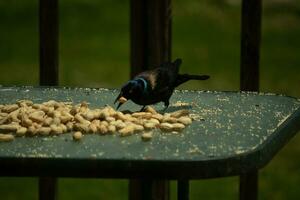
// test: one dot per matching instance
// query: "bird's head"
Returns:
(130, 90)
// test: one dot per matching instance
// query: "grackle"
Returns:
(156, 85)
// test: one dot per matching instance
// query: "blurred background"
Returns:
(94, 52)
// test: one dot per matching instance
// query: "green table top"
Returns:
(234, 133)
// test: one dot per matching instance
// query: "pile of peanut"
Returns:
(25, 118)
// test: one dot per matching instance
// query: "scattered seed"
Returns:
(111, 128)
(9, 108)
(21, 131)
(185, 120)
(150, 125)
(178, 126)
(77, 136)
(166, 127)
(179, 113)
(147, 136)
(6, 137)
(44, 130)
(126, 131)
(52, 117)
(150, 109)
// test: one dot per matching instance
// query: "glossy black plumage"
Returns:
(156, 85)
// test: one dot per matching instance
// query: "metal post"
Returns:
(150, 36)
(149, 189)
(47, 188)
(250, 44)
(249, 78)
(183, 190)
(48, 27)
(249, 186)
(48, 32)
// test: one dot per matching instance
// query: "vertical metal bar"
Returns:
(249, 186)
(134, 189)
(48, 35)
(150, 35)
(138, 37)
(249, 75)
(159, 20)
(149, 189)
(48, 28)
(160, 189)
(47, 188)
(250, 44)
(183, 190)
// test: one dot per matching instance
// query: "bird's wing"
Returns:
(163, 90)
(164, 80)
(172, 66)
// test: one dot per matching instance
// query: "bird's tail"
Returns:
(182, 78)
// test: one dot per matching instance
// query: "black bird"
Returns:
(156, 85)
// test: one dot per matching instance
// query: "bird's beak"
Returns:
(119, 105)
(119, 96)
(121, 100)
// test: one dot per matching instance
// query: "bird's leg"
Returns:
(142, 109)
(166, 105)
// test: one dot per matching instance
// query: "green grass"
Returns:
(94, 52)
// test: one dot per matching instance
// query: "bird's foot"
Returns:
(143, 108)
(166, 106)
(164, 110)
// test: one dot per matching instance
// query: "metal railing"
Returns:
(155, 17)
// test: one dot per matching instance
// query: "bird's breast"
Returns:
(150, 98)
